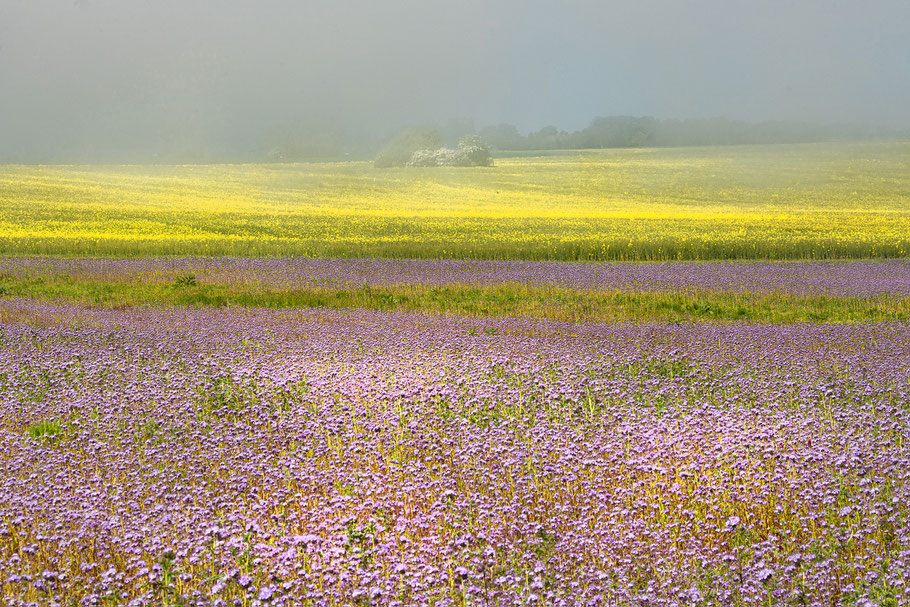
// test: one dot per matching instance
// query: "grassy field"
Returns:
(757, 291)
(799, 201)
(547, 302)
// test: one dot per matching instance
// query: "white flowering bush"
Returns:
(471, 151)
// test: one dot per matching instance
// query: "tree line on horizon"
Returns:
(601, 132)
(646, 131)
(334, 140)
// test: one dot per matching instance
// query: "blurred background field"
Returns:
(830, 200)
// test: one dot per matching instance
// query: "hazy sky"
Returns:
(96, 75)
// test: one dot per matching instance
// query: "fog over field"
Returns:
(138, 80)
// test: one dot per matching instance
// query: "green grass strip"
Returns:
(556, 303)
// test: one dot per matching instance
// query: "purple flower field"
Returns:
(832, 278)
(261, 457)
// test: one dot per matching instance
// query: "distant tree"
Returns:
(474, 152)
(401, 148)
(548, 138)
(504, 137)
(454, 130)
(619, 132)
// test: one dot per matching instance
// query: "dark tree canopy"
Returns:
(645, 131)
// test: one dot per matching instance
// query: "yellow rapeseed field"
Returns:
(783, 201)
